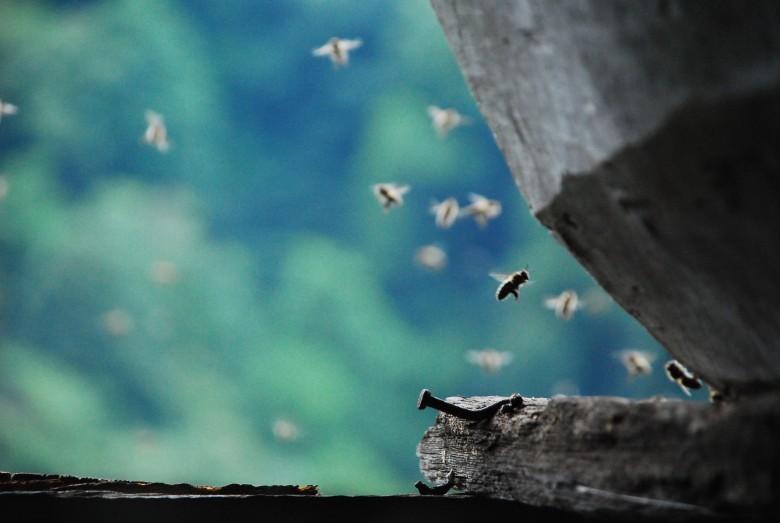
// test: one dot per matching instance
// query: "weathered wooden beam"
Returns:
(655, 459)
(646, 136)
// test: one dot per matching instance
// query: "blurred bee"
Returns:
(481, 209)
(6, 108)
(285, 430)
(431, 257)
(510, 284)
(446, 212)
(445, 120)
(682, 376)
(390, 194)
(156, 134)
(490, 360)
(716, 396)
(338, 50)
(564, 304)
(636, 362)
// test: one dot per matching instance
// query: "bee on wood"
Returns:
(445, 120)
(636, 362)
(682, 376)
(510, 284)
(390, 194)
(481, 209)
(431, 257)
(564, 304)
(490, 360)
(7, 108)
(156, 133)
(446, 212)
(338, 50)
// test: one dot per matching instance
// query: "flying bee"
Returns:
(6, 108)
(682, 376)
(338, 50)
(446, 212)
(431, 257)
(481, 209)
(490, 360)
(564, 304)
(716, 396)
(636, 362)
(510, 284)
(390, 194)
(445, 120)
(156, 133)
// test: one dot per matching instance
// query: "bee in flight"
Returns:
(390, 194)
(490, 360)
(445, 120)
(564, 304)
(431, 257)
(446, 212)
(510, 284)
(636, 362)
(6, 108)
(156, 134)
(682, 376)
(482, 209)
(338, 50)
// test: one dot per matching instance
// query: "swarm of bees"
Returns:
(337, 49)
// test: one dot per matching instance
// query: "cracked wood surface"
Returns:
(614, 458)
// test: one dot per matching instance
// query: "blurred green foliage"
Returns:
(160, 314)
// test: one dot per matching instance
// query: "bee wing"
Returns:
(499, 276)
(551, 303)
(433, 110)
(348, 45)
(323, 50)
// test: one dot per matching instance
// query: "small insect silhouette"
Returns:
(156, 133)
(481, 209)
(446, 212)
(445, 120)
(390, 194)
(682, 376)
(564, 304)
(338, 50)
(490, 360)
(636, 362)
(7, 108)
(510, 283)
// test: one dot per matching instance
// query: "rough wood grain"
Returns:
(617, 458)
(646, 136)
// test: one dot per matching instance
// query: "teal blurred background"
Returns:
(240, 308)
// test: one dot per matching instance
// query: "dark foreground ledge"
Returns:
(615, 458)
